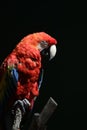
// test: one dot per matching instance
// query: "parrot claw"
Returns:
(22, 104)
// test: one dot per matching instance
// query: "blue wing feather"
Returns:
(8, 86)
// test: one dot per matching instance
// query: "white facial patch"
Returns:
(39, 47)
(53, 51)
(42, 45)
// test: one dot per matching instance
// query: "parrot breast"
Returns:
(29, 69)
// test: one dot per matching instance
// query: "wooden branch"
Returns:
(39, 121)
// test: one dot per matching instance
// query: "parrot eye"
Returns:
(44, 44)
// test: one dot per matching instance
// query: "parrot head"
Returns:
(45, 43)
(46, 46)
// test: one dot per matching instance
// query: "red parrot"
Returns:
(20, 71)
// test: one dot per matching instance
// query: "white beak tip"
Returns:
(53, 51)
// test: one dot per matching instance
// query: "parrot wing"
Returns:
(8, 86)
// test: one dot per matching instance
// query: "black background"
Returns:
(65, 77)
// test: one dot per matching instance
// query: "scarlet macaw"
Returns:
(22, 70)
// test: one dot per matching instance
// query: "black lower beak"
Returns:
(45, 57)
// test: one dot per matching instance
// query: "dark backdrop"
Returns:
(65, 77)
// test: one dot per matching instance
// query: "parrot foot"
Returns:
(22, 104)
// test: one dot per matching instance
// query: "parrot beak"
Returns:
(53, 51)
(48, 54)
